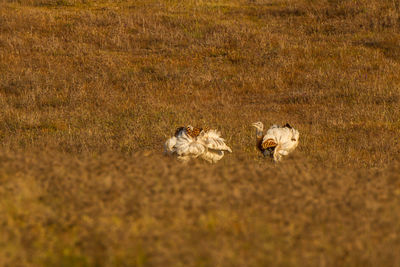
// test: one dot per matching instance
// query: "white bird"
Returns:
(278, 141)
(192, 142)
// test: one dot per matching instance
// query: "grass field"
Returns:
(90, 90)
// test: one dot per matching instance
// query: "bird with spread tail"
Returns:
(193, 142)
(279, 141)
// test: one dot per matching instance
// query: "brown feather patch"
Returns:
(196, 131)
(268, 143)
(193, 132)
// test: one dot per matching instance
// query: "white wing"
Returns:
(184, 146)
(212, 156)
(277, 134)
(290, 141)
(169, 146)
(187, 146)
(209, 145)
(286, 138)
(212, 140)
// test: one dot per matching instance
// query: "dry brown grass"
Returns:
(89, 91)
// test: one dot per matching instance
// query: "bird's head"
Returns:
(258, 125)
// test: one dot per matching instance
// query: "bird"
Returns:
(279, 141)
(194, 142)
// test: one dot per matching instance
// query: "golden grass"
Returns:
(90, 90)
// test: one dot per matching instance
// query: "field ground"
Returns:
(90, 90)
